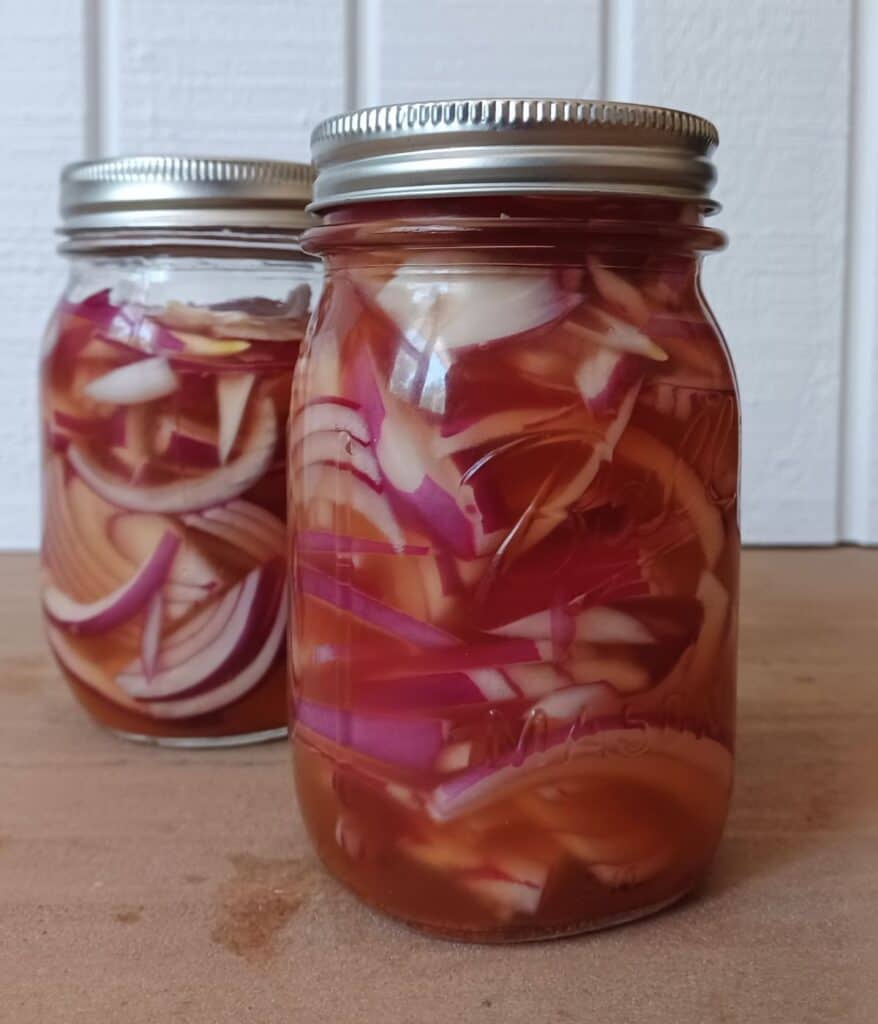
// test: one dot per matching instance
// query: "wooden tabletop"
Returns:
(155, 885)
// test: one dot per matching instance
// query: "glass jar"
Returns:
(515, 553)
(165, 383)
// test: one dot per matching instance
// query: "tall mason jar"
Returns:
(165, 385)
(514, 444)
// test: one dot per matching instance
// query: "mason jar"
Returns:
(514, 458)
(165, 385)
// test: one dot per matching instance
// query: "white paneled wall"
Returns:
(775, 77)
(792, 84)
(41, 126)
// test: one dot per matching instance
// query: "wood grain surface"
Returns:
(146, 885)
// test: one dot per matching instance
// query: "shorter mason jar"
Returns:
(515, 545)
(165, 385)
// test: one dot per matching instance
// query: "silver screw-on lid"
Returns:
(170, 192)
(505, 146)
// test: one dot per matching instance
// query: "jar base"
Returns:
(502, 938)
(202, 742)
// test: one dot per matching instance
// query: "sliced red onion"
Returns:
(97, 309)
(134, 383)
(454, 757)
(326, 448)
(184, 449)
(371, 610)
(442, 852)
(111, 429)
(256, 319)
(619, 876)
(189, 495)
(535, 680)
(473, 306)
(695, 359)
(611, 332)
(406, 742)
(623, 296)
(331, 488)
(449, 524)
(417, 693)
(510, 884)
(152, 635)
(134, 535)
(321, 540)
(598, 624)
(555, 509)
(507, 882)
(196, 344)
(635, 848)
(568, 704)
(126, 327)
(255, 521)
(202, 629)
(220, 358)
(454, 438)
(232, 394)
(118, 606)
(421, 486)
(86, 570)
(587, 665)
(337, 415)
(434, 690)
(494, 684)
(715, 602)
(638, 447)
(185, 665)
(234, 688)
(461, 657)
(244, 526)
(558, 757)
(605, 376)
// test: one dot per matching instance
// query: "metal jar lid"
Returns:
(184, 192)
(504, 146)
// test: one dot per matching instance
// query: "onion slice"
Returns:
(667, 753)
(472, 306)
(232, 394)
(327, 448)
(245, 526)
(407, 742)
(189, 495)
(324, 540)
(202, 654)
(371, 610)
(134, 383)
(235, 687)
(328, 413)
(118, 606)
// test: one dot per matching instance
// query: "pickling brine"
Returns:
(514, 470)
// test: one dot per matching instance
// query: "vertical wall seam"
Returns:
(91, 55)
(860, 321)
(351, 56)
(617, 45)
(362, 52)
(101, 48)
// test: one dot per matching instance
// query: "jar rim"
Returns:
(512, 146)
